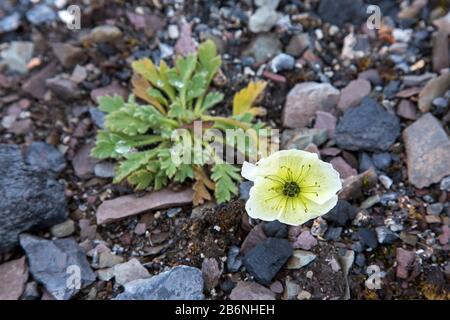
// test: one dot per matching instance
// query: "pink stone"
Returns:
(405, 261)
(129, 205)
(344, 169)
(305, 241)
(325, 120)
(251, 291)
(353, 93)
(13, 276)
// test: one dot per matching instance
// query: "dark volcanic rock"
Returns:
(60, 265)
(266, 259)
(30, 199)
(342, 11)
(275, 229)
(341, 213)
(367, 127)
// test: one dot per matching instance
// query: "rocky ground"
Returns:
(374, 103)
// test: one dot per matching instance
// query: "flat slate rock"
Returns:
(427, 151)
(129, 205)
(60, 265)
(179, 283)
(367, 127)
(267, 258)
(30, 199)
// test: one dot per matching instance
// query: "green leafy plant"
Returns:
(139, 136)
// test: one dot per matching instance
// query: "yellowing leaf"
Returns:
(140, 89)
(244, 99)
(201, 186)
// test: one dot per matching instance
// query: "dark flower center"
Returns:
(291, 189)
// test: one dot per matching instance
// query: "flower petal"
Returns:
(321, 174)
(257, 207)
(299, 215)
(249, 171)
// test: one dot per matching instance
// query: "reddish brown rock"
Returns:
(110, 90)
(441, 57)
(353, 93)
(251, 291)
(83, 163)
(129, 205)
(405, 262)
(35, 86)
(67, 54)
(325, 120)
(407, 110)
(305, 99)
(436, 87)
(13, 277)
(254, 237)
(344, 169)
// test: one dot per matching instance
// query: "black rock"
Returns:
(244, 190)
(333, 234)
(266, 259)
(227, 286)
(30, 199)
(275, 229)
(382, 160)
(341, 213)
(367, 127)
(234, 259)
(60, 265)
(367, 237)
(349, 11)
(45, 156)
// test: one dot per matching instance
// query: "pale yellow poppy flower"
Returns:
(291, 186)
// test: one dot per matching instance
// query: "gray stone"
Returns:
(97, 116)
(244, 190)
(234, 259)
(305, 99)
(300, 259)
(64, 229)
(104, 170)
(10, 23)
(385, 235)
(266, 259)
(45, 156)
(282, 62)
(40, 14)
(302, 138)
(30, 199)
(17, 56)
(179, 283)
(57, 264)
(298, 44)
(367, 237)
(130, 271)
(65, 89)
(382, 160)
(435, 208)
(263, 20)
(445, 184)
(367, 127)
(67, 54)
(427, 150)
(264, 47)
